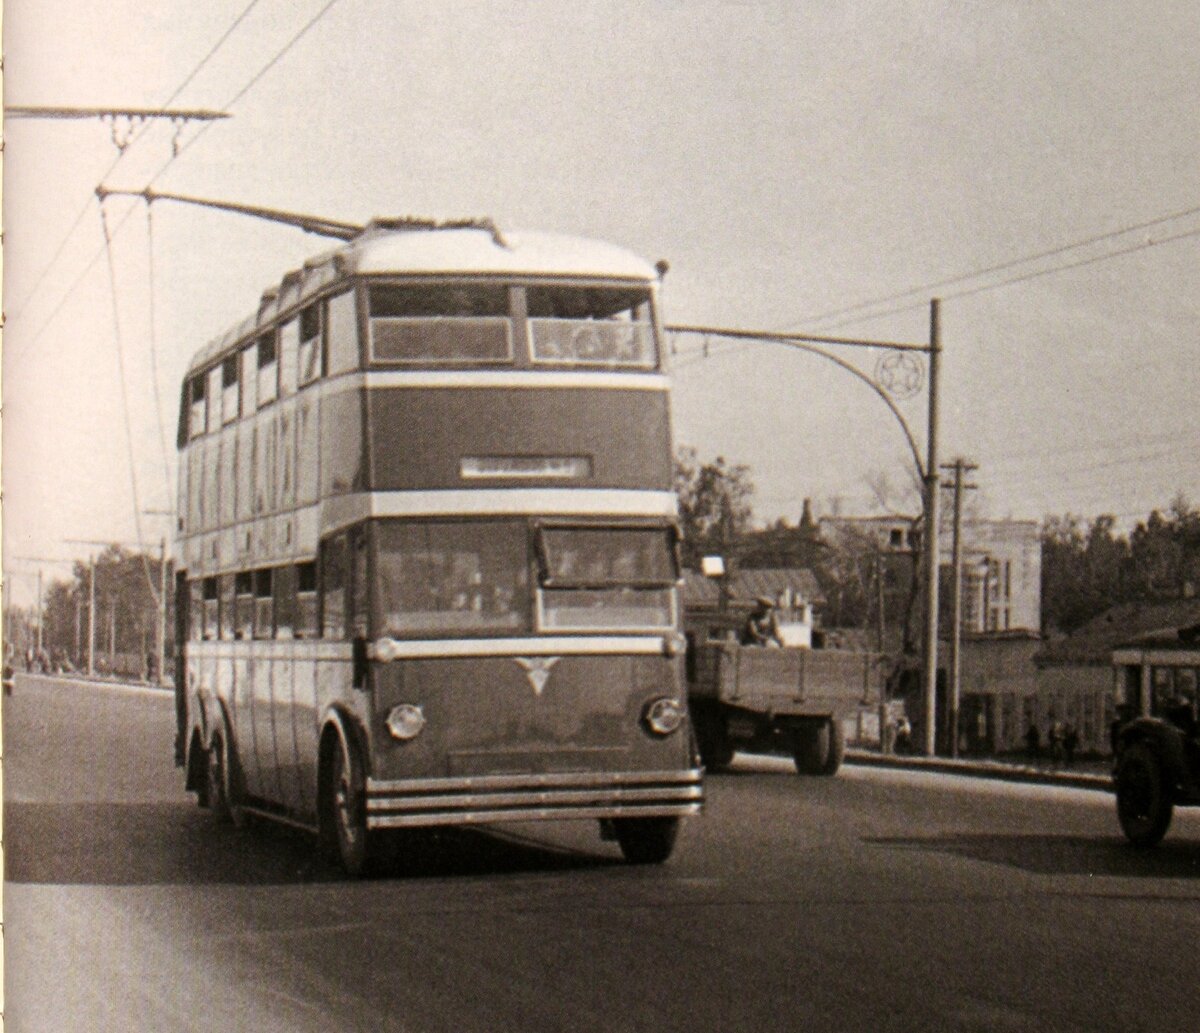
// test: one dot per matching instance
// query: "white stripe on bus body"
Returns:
(431, 648)
(544, 645)
(510, 378)
(344, 510)
(269, 649)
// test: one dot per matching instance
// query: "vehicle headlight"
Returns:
(405, 721)
(663, 716)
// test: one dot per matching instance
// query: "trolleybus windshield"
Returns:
(452, 578)
(490, 323)
(606, 578)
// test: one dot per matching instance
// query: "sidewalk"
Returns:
(1087, 774)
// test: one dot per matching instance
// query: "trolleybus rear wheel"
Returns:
(233, 792)
(646, 840)
(215, 782)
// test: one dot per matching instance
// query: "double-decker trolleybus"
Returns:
(427, 552)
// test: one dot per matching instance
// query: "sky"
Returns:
(795, 164)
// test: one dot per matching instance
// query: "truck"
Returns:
(789, 700)
(1156, 735)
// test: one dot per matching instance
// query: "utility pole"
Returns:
(960, 467)
(929, 653)
(884, 744)
(91, 615)
(161, 638)
(888, 389)
(39, 612)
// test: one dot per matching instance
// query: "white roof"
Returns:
(437, 250)
(479, 251)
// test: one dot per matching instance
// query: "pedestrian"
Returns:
(1056, 737)
(1033, 743)
(903, 741)
(1070, 743)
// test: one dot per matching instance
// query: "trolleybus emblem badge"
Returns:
(537, 670)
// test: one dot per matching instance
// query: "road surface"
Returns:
(874, 901)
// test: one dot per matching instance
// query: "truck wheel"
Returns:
(716, 751)
(818, 747)
(646, 840)
(1144, 805)
(808, 747)
(835, 747)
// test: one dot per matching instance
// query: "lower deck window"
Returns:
(445, 578)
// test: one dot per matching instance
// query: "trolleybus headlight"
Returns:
(405, 721)
(663, 716)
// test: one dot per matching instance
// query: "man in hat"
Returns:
(762, 626)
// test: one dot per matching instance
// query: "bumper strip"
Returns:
(491, 798)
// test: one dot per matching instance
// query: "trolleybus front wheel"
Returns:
(646, 840)
(344, 822)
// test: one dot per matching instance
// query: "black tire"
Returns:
(809, 744)
(233, 786)
(646, 840)
(835, 747)
(344, 823)
(716, 751)
(818, 747)
(215, 782)
(1144, 804)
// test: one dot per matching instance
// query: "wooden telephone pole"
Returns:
(960, 468)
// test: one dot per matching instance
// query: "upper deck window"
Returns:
(341, 333)
(594, 326)
(229, 389)
(249, 362)
(310, 344)
(288, 351)
(606, 578)
(268, 369)
(440, 323)
(197, 415)
(215, 393)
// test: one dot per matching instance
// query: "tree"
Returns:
(715, 505)
(1089, 567)
(126, 606)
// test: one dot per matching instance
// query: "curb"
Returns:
(969, 769)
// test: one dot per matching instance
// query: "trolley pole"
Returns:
(929, 653)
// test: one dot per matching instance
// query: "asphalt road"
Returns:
(876, 900)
